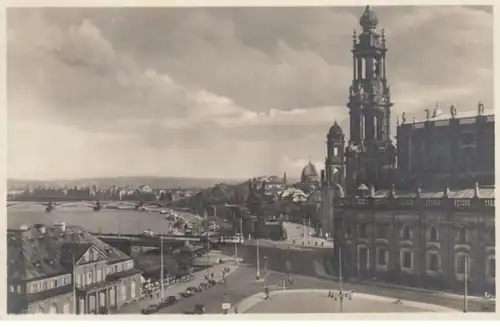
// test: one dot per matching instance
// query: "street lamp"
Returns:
(341, 294)
(258, 260)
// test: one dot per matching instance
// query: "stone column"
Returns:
(108, 291)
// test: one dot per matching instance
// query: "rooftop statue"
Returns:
(480, 109)
(453, 111)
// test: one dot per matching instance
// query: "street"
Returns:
(242, 284)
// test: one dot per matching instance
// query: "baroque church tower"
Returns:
(370, 147)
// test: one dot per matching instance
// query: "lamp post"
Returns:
(341, 295)
(258, 260)
(161, 267)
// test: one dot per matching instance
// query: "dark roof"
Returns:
(369, 18)
(335, 131)
(70, 252)
(32, 254)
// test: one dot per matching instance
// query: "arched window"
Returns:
(462, 235)
(406, 233)
(433, 237)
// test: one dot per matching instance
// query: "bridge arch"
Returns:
(119, 203)
(75, 204)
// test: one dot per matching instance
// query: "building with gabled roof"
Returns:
(64, 269)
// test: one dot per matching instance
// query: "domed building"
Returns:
(309, 179)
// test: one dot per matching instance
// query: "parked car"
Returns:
(193, 289)
(168, 301)
(153, 308)
(212, 282)
(199, 309)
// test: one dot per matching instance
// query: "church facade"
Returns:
(420, 212)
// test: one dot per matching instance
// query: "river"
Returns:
(104, 221)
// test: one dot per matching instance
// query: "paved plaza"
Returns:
(317, 301)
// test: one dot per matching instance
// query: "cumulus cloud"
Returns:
(184, 85)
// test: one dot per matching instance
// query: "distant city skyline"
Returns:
(234, 92)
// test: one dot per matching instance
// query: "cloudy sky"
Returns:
(217, 92)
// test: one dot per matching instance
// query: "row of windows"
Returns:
(433, 261)
(91, 277)
(382, 232)
(82, 279)
(45, 285)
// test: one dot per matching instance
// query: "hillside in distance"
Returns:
(106, 182)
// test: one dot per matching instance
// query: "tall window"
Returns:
(382, 231)
(433, 261)
(406, 259)
(462, 235)
(363, 258)
(433, 237)
(348, 232)
(460, 263)
(406, 233)
(362, 231)
(381, 257)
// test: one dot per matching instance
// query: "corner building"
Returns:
(419, 213)
(66, 270)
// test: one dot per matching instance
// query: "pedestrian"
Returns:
(212, 275)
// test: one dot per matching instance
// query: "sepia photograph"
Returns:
(250, 160)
